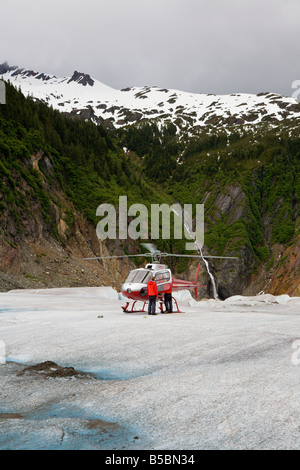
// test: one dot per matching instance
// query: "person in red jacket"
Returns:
(152, 296)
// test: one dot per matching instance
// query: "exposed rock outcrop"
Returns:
(32, 257)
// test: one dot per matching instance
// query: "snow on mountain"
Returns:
(86, 97)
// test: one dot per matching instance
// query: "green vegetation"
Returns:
(82, 158)
(247, 179)
(44, 153)
(263, 163)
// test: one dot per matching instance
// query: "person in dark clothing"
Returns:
(168, 300)
(152, 296)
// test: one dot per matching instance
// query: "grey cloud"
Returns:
(220, 46)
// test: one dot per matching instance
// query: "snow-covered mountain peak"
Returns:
(82, 78)
(84, 96)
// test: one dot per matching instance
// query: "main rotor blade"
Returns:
(204, 256)
(118, 256)
(162, 254)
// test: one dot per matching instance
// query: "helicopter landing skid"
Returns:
(127, 308)
(130, 308)
(161, 306)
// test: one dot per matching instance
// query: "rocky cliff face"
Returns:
(39, 260)
(248, 182)
(278, 274)
(284, 276)
(32, 257)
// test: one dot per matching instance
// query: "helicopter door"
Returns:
(163, 280)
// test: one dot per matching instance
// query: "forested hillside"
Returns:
(55, 171)
(248, 180)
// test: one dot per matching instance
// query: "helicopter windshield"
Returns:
(139, 275)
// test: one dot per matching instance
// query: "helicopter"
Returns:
(135, 286)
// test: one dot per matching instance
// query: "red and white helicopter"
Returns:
(135, 286)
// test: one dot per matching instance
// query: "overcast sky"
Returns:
(200, 46)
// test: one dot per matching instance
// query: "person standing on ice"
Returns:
(168, 300)
(152, 292)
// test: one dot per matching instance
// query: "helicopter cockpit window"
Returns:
(139, 275)
(162, 277)
(131, 276)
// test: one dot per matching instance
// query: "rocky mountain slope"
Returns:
(83, 96)
(55, 171)
(48, 200)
